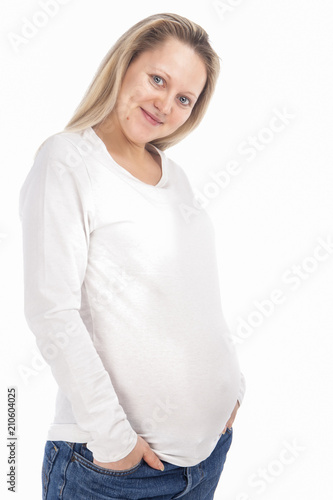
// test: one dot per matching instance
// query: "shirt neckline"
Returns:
(123, 170)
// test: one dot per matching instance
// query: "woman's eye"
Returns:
(157, 79)
(184, 100)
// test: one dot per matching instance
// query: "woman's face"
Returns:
(159, 91)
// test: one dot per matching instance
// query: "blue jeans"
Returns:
(68, 473)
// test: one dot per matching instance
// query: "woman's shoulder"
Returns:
(177, 169)
(63, 142)
(63, 152)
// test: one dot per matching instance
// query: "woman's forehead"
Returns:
(176, 60)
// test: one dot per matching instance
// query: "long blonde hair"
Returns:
(101, 96)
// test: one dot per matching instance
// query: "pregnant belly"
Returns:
(177, 384)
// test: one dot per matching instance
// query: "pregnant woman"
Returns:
(121, 283)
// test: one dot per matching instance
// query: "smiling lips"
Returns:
(151, 118)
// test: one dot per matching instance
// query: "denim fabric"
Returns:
(68, 473)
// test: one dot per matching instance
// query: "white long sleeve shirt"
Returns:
(122, 294)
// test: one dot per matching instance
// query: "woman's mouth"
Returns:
(150, 118)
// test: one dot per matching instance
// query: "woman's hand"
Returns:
(141, 450)
(232, 418)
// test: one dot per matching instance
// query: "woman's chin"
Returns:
(142, 135)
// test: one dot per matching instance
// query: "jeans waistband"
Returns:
(76, 446)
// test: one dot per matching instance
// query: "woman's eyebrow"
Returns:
(154, 68)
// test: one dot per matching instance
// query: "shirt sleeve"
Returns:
(56, 213)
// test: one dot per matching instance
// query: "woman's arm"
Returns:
(241, 393)
(56, 211)
(242, 388)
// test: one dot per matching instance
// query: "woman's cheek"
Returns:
(143, 91)
(183, 117)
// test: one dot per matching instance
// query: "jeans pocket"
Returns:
(50, 453)
(85, 458)
(122, 472)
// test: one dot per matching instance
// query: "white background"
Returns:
(276, 57)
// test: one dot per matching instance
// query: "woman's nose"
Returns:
(164, 104)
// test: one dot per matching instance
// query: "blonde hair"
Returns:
(101, 96)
